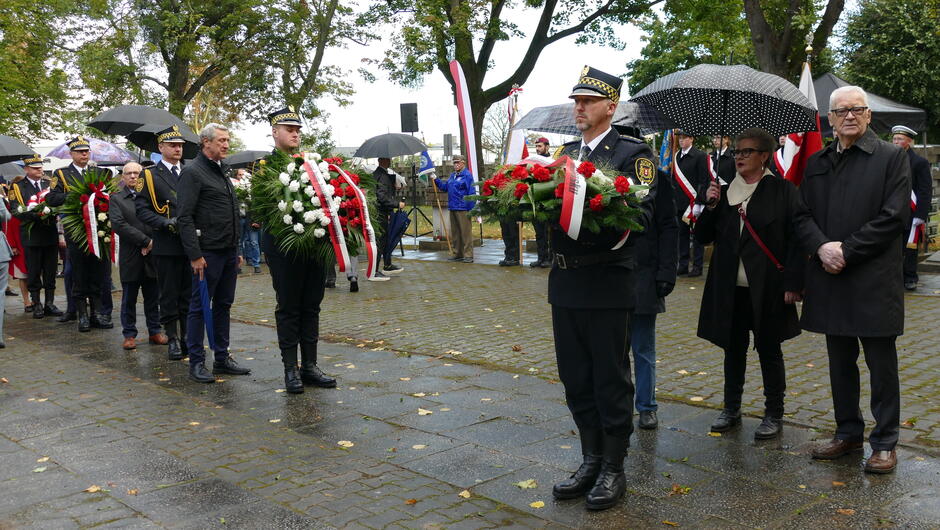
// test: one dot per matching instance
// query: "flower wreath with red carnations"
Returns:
(85, 213)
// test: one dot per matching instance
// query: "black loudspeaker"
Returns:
(409, 117)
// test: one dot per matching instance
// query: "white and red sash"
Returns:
(686, 188)
(90, 218)
(335, 229)
(572, 202)
(367, 230)
(917, 232)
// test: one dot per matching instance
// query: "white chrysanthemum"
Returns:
(107, 239)
(46, 210)
(315, 156)
(319, 232)
(329, 190)
(288, 220)
(291, 167)
(601, 179)
(304, 178)
(309, 191)
(310, 217)
(299, 228)
(324, 168)
(294, 185)
(298, 206)
(325, 221)
(315, 201)
(282, 206)
(102, 217)
(100, 233)
(284, 178)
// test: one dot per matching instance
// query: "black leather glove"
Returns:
(171, 226)
(664, 288)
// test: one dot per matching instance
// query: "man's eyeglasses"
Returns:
(745, 153)
(856, 111)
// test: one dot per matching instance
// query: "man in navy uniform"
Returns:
(591, 290)
(922, 192)
(157, 207)
(41, 240)
(88, 271)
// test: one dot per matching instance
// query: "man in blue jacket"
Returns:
(457, 186)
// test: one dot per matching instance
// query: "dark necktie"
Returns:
(176, 173)
(585, 152)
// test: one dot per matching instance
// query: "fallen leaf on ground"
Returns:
(274, 420)
(424, 412)
(810, 365)
(526, 484)
(696, 398)
(802, 486)
(682, 372)
(565, 446)
(419, 446)
(845, 511)
(487, 309)
(263, 320)
(39, 469)
(404, 379)
(678, 489)
(516, 347)
(43, 459)
(715, 434)
(4, 380)
(280, 390)
(486, 399)
(837, 484)
(670, 523)
(351, 366)
(92, 489)
(533, 369)
(515, 376)
(40, 400)
(163, 379)
(444, 409)
(31, 399)
(910, 422)
(249, 358)
(411, 501)
(465, 494)
(419, 394)
(194, 423)
(345, 443)
(919, 458)
(537, 504)
(132, 491)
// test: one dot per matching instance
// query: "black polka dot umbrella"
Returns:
(718, 99)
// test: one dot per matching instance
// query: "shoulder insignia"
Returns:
(645, 170)
(17, 194)
(140, 185)
(165, 209)
(629, 138)
(54, 181)
(559, 151)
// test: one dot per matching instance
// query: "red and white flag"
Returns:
(466, 118)
(791, 160)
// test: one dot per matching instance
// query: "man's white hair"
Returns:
(843, 90)
(208, 132)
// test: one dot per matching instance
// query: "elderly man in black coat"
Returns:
(138, 274)
(857, 190)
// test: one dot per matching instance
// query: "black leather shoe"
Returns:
(292, 381)
(311, 374)
(611, 484)
(508, 263)
(38, 311)
(727, 420)
(173, 351)
(648, 419)
(28, 309)
(198, 373)
(102, 321)
(52, 310)
(67, 317)
(535, 264)
(354, 286)
(584, 478)
(768, 428)
(84, 324)
(229, 366)
(695, 272)
(330, 285)
(910, 286)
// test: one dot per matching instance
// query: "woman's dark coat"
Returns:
(657, 250)
(771, 211)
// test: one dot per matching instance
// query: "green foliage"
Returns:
(891, 48)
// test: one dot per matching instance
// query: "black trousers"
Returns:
(685, 241)
(175, 282)
(768, 351)
(41, 265)
(910, 265)
(543, 241)
(881, 356)
(87, 272)
(594, 365)
(298, 285)
(384, 216)
(129, 306)
(221, 275)
(510, 232)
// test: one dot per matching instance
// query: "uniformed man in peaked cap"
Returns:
(88, 271)
(590, 288)
(157, 202)
(922, 191)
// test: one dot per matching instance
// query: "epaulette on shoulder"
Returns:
(633, 139)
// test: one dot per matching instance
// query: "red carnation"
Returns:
(350, 192)
(521, 189)
(587, 169)
(560, 190)
(542, 174)
(597, 203)
(342, 220)
(354, 177)
(622, 184)
(103, 207)
(83, 198)
(335, 182)
(520, 173)
(487, 187)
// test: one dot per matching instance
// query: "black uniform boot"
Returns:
(84, 324)
(173, 352)
(50, 308)
(310, 373)
(38, 311)
(99, 320)
(611, 483)
(586, 475)
(292, 381)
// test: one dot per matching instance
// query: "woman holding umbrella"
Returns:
(756, 269)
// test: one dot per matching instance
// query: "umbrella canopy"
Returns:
(244, 159)
(125, 119)
(390, 145)
(559, 119)
(103, 153)
(11, 170)
(12, 149)
(145, 137)
(719, 99)
(885, 113)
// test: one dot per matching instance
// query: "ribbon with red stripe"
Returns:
(572, 201)
(466, 117)
(367, 230)
(334, 228)
(90, 217)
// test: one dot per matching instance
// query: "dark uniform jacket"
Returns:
(694, 166)
(921, 183)
(157, 205)
(134, 236)
(724, 167)
(860, 197)
(607, 285)
(771, 210)
(207, 204)
(385, 190)
(657, 251)
(62, 181)
(40, 234)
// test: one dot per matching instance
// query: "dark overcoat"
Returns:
(694, 166)
(134, 235)
(860, 197)
(657, 251)
(772, 210)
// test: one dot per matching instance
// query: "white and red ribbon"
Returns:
(37, 198)
(367, 230)
(686, 188)
(466, 118)
(115, 247)
(335, 229)
(91, 221)
(572, 202)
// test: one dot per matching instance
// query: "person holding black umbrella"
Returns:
(386, 192)
(158, 203)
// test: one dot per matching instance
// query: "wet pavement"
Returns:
(440, 423)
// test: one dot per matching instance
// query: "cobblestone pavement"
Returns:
(95, 436)
(499, 317)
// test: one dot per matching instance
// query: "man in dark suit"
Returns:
(158, 207)
(137, 271)
(722, 161)
(591, 290)
(210, 232)
(922, 192)
(88, 271)
(40, 240)
(691, 180)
